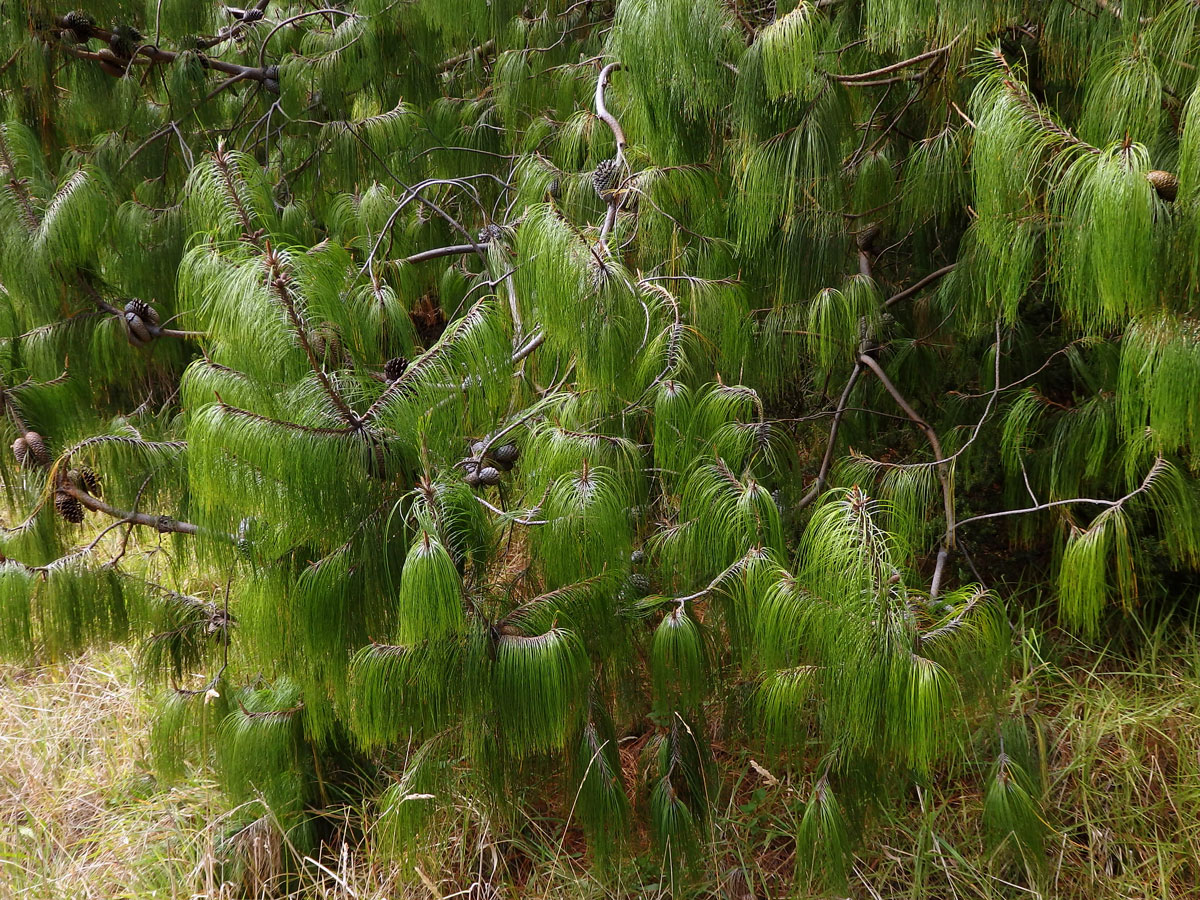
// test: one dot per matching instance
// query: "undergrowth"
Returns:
(81, 814)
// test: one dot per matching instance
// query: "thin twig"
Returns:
(943, 467)
(1158, 466)
(868, 77)
(827, 459)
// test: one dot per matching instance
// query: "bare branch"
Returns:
(870, 77)
(827, 460)
(162, 524)
(943, 466)
(154, 55)
(602, 109)
(439, 252)
(920, 285)
(1155, 469)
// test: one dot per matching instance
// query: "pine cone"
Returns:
(598, 272)
(218, 621)
(554, 189)
(37, 448)
(639, 585)
(244, 545)
(490, 234)
(489, 475)
(637, 557)
(136, 330)
(80, 24)
(142, 310)
(604, 179)
(471, 477)
(20, 449)
(1165, 184)
(505, 456)
(326, 345)
(89, 480)
(68, 507)
(866, 237)
(125, 39)
(394, 368)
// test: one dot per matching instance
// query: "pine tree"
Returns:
(474, 384)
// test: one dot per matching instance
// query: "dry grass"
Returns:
(81, 815)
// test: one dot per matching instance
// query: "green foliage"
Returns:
(824, 838)
(677, 662)
(438, 426)
(429, 602)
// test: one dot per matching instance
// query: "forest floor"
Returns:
(83, 816)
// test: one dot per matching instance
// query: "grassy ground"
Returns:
(81, 815)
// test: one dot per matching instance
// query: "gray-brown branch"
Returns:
(943, 467)
(148, 54)
(162, 524)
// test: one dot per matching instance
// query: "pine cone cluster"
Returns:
(218, 620)
(85, 479)
(605, 178)
(505, 456)
(865, 238)
(490, 234)
(327, 346)
(79, 26)
(124, 41)
(139, 318)
(30, 450)
(68, 507)
(501, 460)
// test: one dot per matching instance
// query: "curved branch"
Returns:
(262, 50)
(1158, 465)
(868, 77)
(602, 109)
(916, 288)
(943, 467)
(439, 252)
(827, 460)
